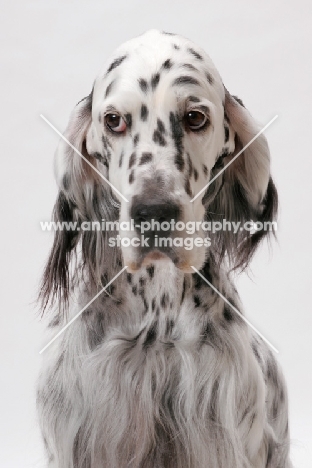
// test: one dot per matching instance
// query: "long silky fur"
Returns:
(158, 372)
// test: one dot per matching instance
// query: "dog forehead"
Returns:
(148, 56)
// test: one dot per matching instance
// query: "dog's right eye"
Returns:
(195, 120)
(115, 123)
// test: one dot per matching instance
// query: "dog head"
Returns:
(158, 127)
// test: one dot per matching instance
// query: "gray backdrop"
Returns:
(51, 52)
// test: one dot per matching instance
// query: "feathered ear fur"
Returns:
(245, 191)
(83, 197)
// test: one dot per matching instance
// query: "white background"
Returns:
(51, 52)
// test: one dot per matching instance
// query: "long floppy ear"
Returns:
(245, 190)
(81, 198)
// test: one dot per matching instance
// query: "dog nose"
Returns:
(160, 212)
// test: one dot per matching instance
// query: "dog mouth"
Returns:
(155, 255)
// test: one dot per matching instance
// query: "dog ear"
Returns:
(245, 190)
(77, 201)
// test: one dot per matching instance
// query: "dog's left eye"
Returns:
(195, 120)
(115, 123)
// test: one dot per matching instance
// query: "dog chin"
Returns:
(157, 256)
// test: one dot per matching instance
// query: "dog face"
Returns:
(158, 122)
(159, 125)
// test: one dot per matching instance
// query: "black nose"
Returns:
(142, 211)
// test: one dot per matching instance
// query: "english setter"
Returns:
(159, 371)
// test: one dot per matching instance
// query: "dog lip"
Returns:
(147, 259)
(133, 267)
(150, 257)
(154, 255)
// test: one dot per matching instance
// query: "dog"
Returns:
(159, 370)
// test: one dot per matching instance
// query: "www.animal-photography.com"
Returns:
(157, 310)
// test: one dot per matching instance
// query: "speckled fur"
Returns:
(159, 372)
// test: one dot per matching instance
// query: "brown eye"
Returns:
(195, 120)
(115, 123)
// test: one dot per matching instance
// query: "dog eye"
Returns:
(195, 120)
(115, 123)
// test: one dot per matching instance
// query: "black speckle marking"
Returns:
(142, 281)
(177, 135)
(190, 165)
(179, 161)
(164, 300)
(128, 120)
(121, 158)
(226, 117)
(155, 80)
(225, 153)
(151, 270)
(143, 85)
(228, 314)
(186, 79)
(153, 303)
(144, 113)
(205, 170)
(256, 352)
(158, 138)
(193, 99)
(270, 453)
(195, 174)
(132, 160)
(197, 301)
(189, 66)
(151, 336)
(275, 409)
(167, 65)
(100, 117)
(129, 278)
(145, 158)
(219, 162)
(55, 321)
(136, 139)
(66, 182)
(108, 89)
(200, 283)
(194, 53)
(145, 305)
(226, 133)
(116, 63)
(209, 78)
(135, 290)
(207, 332)
(161, 126)
(271, 371)
(107, 146)
(131, 177)
(100, 158)
(111, 288)
(206, 272)
(183, 290)
(175, 46)
(169, 326)
(187, 187)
